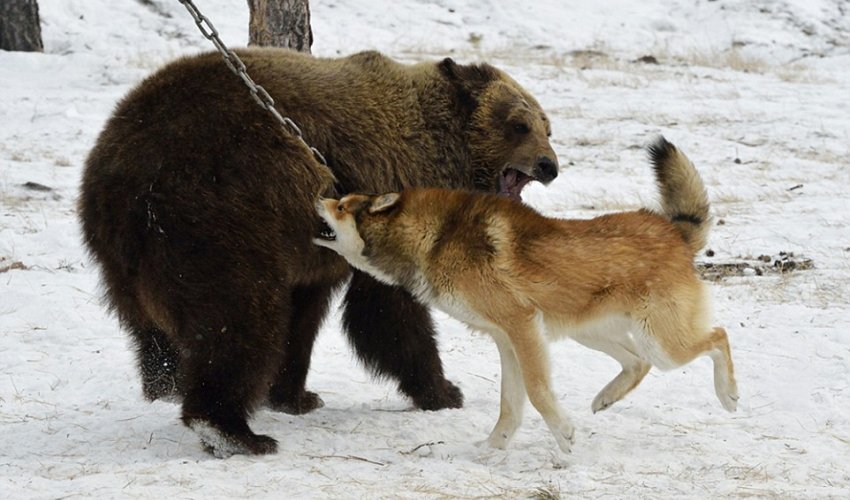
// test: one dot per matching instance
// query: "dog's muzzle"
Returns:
(326, 232)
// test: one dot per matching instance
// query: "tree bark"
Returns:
(281, 23)
(19, 26)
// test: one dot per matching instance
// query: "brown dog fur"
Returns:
(199, 209)
(504, 269)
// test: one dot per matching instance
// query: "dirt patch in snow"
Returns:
(763, 265)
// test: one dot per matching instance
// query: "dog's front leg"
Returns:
(532, 352)
(512, 395)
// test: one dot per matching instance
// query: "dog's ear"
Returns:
(384, 202)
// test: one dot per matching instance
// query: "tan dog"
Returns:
(502, 268)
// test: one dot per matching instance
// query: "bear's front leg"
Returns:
(393, 335)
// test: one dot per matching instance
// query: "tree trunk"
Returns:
(281, 23)
(19, 26)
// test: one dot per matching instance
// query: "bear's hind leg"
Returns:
(220, 394)
(226, 368)
(156, 355)
(309, 307)
(158, 362)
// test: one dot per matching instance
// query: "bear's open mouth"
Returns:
(326, 232)
(511, 183)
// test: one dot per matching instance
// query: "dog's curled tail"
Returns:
(684, 199)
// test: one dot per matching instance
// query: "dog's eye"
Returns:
(521, 128)
(340, 208)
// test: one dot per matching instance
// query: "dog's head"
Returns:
(354, 223)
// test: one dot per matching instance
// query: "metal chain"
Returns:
(238, 68)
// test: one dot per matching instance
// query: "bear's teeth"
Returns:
(512, 183)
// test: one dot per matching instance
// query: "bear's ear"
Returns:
(384, 202)
(469, 78)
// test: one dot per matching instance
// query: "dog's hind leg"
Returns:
(724, 371)
(512, 395)
(531, 351)
(670, 336)
(620, 346)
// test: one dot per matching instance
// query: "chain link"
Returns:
(236, 65)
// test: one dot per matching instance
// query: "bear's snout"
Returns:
(546, 169)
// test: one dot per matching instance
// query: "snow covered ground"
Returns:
(756, 93)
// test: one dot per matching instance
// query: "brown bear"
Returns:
(199, 208)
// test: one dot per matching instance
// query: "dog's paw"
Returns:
(729, 402)
(601, 402)
(497, 440)
(565, 436)
(727, 393)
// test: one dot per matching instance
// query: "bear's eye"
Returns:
(521, 128)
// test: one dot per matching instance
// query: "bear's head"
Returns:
(508, 132)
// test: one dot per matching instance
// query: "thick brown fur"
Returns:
(198, 207)
(622, 283)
